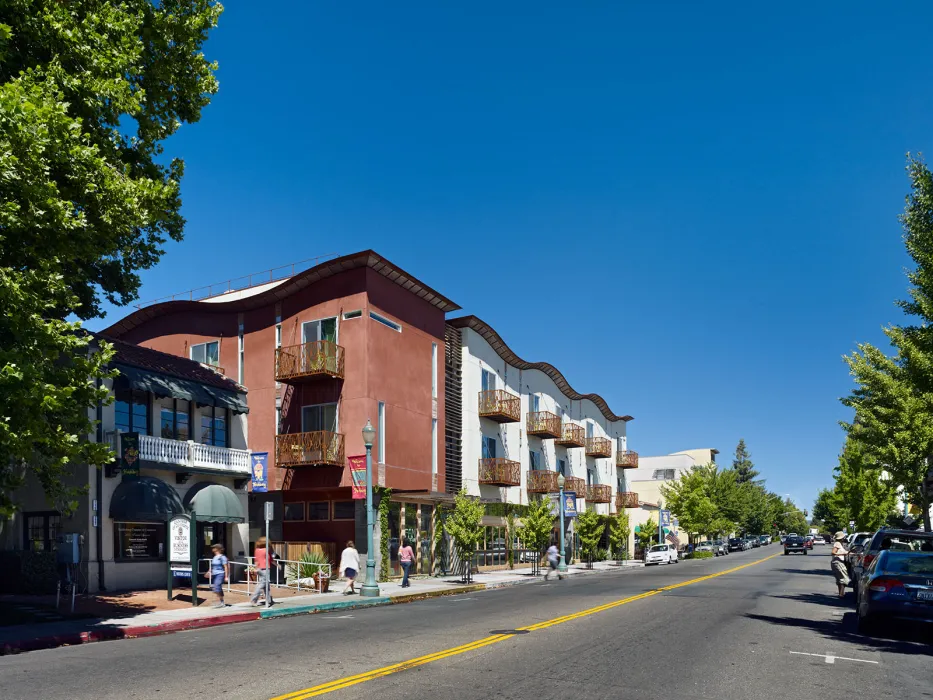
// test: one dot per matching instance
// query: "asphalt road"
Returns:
(703, 629)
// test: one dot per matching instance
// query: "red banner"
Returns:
(358, 475)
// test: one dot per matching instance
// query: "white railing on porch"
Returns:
(192, 454)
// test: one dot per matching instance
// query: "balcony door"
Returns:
(323, 329)
(489, 380)
(318, 417)
(533, 403)
(589, 429)
(489, 448)
(321, 421)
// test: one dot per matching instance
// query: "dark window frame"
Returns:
(49, 543)
(333, 510)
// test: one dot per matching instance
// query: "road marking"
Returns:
(349, 681)
(831, 659)
(458, 600)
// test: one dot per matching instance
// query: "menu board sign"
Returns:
(179, 539)
(139, 541)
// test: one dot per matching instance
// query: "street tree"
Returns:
(464, 525)
(647, 533)
(619, 531)
(88, 93)
(590, 528)
(743, 465)
(536, 528)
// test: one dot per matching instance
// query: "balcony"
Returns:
(193, 454)
(496, 471)
(626, 459)
(544, 425)
(598, 447)
(572, 435)
(575, 484)
(626, 499)
(318, 449)
(308, 361)
(599, 493)
(540, 481)
(500, 406)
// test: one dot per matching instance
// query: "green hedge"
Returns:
(699, 555)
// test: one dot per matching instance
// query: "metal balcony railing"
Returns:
(543, 424)
(572, 435)
(626, 499)
(598, 447)
(627, 459)
(575, 484)
(497, 471)
(322, 358)
(540, 481)
(319, 448)
(500, 406)
(599, 493)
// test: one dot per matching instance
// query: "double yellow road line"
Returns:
(349, 681)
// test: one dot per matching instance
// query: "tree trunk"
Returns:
(925, 505)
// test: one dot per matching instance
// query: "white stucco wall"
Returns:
(511, 440)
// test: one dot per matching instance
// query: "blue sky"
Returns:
(691, 212)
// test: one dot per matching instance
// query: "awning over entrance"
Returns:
(165, 385)
(146, 499)
(214, 503)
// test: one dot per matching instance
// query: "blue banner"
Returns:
(665, 516)
(570, 504)
(259, 466)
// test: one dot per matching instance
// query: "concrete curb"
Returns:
(114, 633)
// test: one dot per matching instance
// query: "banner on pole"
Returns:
(129, 455)
(665, 516)
(259, 463)
(358, 475)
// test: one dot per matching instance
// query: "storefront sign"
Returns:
(358, 475)
(129, 455)
(179, 539)
(259, 463)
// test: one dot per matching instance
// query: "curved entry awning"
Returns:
(145, 498)
(214, 503)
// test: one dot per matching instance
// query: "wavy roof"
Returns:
(318, 273)
(506, 353)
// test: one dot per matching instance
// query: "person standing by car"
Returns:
(406, 556)
(840, 570)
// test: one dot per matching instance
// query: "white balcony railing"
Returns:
(193, 454)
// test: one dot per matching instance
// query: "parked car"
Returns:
(720, 548)
(736, 544)
(890, 538)
(896, 585)
(794, 544)
(765, 540)
(855, 544)
(661, 554)
(808, 541)
(755, 542)
(705, 546)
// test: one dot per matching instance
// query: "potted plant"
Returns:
(310, 566)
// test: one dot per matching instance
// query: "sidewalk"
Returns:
(29, 637)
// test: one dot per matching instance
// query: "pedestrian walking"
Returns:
(553, 557)
(407, 557)
(840, 570)
(262, 557)
(218, 574)
(349, 566)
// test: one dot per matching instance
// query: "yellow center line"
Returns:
(349, 681)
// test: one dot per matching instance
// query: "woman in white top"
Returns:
(840, 570)
(349, 566)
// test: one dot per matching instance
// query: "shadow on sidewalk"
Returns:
(905, 639)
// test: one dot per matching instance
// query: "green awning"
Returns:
(166, 385)
(145, 499)
(214, 503)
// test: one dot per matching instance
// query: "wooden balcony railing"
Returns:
(500, 472)
(599, 493)
(626, 499)
(627, 459)
(598, 447)
(321, 358)
(500, 406)
(320, 448)
(575, 484)
(572, 435)
(540, 481)
(543, 424)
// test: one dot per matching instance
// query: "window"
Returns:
(293, 511)
(278, 331)
(214, 426)
(352, 314)
(533, 403)
(344, 510)
(589, 430)
(319, 510)
(41, 531)
(620, 444)
(132, 409)
(207, 353)
(241, 354)
(173, 419)
(434, 446)
(489, 380)
(489, 447)
(663, 474)
(385, 322)
(381, 420)
(434, 370)
(562, 467)
(278, 420)
(534, 459)
(139, 541)
(319, 417)
(323, 329)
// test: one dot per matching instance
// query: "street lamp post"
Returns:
(562, 567)
(370, 588)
